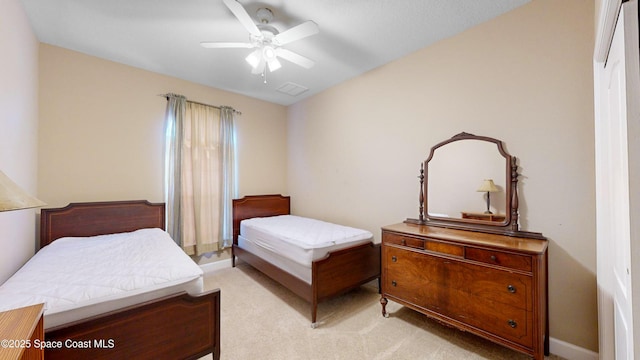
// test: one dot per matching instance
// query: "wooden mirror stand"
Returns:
(506, 224)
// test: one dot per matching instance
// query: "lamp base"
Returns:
(488, 203)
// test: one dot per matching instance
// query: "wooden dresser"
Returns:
(494, 286)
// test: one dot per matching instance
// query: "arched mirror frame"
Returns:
(509, 226)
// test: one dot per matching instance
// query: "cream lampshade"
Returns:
(488, 186)
(12, 197)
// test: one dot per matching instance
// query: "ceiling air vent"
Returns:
(292, 89)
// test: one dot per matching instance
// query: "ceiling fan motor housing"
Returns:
(265, 15)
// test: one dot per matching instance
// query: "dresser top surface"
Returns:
(18, 324)
(534, 246)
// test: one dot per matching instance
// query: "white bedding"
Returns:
(298, 240)
(302, 272)
(81, 277)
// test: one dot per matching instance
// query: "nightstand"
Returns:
(20, 330)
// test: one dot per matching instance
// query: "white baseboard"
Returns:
(570, 351)
(215, 266)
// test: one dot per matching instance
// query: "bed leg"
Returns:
(314, 314)
(233, 256)
(383, 302)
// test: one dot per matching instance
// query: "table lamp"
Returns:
(488, 186)
(12, 197)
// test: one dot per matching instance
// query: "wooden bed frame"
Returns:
(178, 326)
(335, 274)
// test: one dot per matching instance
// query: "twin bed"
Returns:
(112, 279)
(109, 275)
(314, 259)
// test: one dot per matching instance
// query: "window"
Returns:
(199, 174)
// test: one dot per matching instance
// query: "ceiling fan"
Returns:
(267, 40)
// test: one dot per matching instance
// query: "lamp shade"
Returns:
(488, 186)
(12, 197)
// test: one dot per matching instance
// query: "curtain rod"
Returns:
(199, 103)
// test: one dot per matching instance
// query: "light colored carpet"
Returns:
(260, 319)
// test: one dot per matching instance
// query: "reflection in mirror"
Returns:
(453, 192)
(455, 175)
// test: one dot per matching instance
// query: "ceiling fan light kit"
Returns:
(266, 55)
(267, 40)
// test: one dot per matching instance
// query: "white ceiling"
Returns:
(164, 36)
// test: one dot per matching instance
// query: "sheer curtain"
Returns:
(200, 174)
(228, 191)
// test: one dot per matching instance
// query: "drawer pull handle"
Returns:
(493, 257)
(394, 259)
(404, 242)
(393, 283)
(512, 323)
(511, 289)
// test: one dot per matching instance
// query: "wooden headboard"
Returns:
(99, 218)
(258, 206)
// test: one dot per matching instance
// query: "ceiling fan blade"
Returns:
(242, 15)
(298, 32)
(295, 58)
(223, 45)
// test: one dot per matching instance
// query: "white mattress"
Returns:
(80, 277)
(294, 268)
(293, 242)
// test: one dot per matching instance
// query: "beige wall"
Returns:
(525, 78)
(102, 131)
(598, 10)
(19, 130)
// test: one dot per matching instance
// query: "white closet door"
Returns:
(617, 186)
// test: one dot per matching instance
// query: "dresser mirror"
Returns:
(470, 182)
(454, 173)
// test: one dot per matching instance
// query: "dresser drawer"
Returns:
(426, 276)
(513, 261)
(505, 321)
(395, 239)
(423, 244)
(444, 248)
